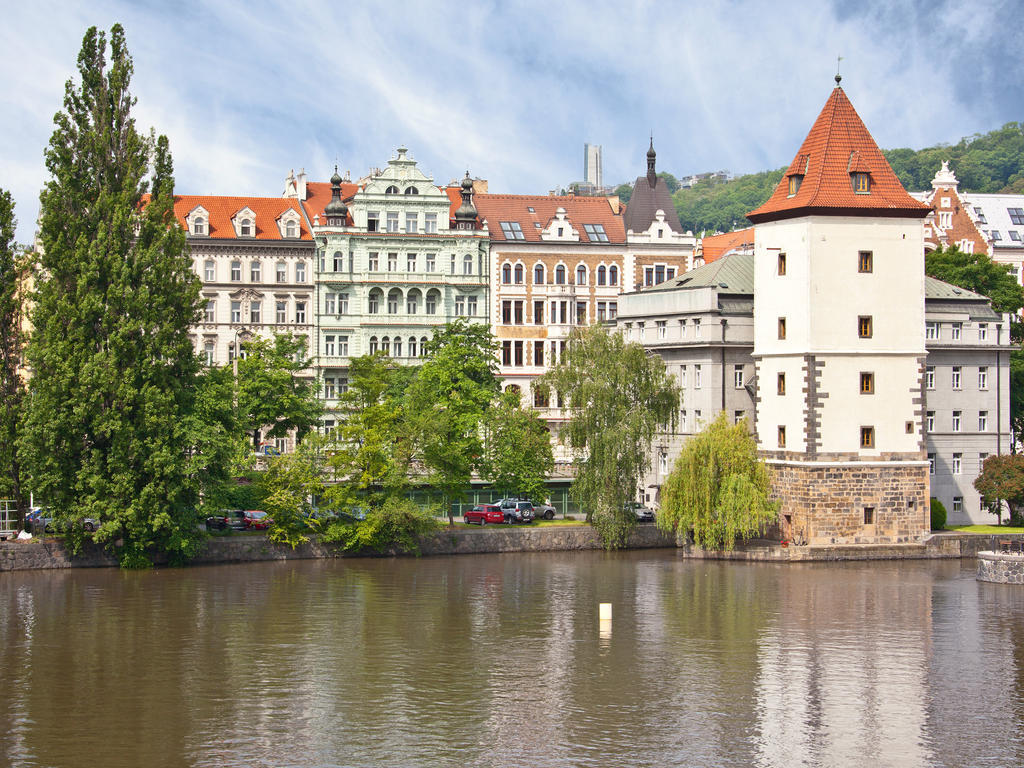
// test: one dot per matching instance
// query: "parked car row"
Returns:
(239, 520)
(510, 511)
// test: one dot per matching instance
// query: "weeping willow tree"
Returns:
(719, 488)
(618, 398)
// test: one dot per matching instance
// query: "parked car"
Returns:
(484, 514)
(643, 514)
(41, 520)
(515, 511)
(544, 510)
(226, 518)
(257, 520)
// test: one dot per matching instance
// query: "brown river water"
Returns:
(501, 660)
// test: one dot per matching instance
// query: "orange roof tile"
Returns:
(318, 195)
(716, 246)
(838, 145)
(221, 210)
(578, 210)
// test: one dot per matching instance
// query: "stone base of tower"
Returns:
(852, 502)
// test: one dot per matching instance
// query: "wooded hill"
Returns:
(993, 162)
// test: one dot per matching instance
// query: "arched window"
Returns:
(394, 299)
(411, 191)
(519, 274)
(560, 274)
(397, 352)
(199, 226)
(255, 272)
(581, 275)
(291, 229)
(373, 345)
(538, 275)
(613, 275)
(423, 346)
(385, 345)
(245, 230)
(412, 302)
(601, 274)
(467, 265)
(392, 190)
(433, 296)
(412, 346)
(374, 304)
(506, 273)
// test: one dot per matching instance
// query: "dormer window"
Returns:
(861, 182)
(198, 221)
(512, 230)
(291, 229)
(199, 226)
(794, 183)
(392, 190)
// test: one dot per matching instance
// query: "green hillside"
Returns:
(993, 162)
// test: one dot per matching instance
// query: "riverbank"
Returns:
(50, 553)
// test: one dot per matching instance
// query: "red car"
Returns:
(256, 520)
(484, 514)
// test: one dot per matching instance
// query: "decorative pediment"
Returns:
(289, 224)
(560, 228)
(198, 221)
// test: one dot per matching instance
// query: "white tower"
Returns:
(839, 340)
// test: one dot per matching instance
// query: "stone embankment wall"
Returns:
(1001, 567)
(40, 554)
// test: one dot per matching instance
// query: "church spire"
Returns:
(652, 176)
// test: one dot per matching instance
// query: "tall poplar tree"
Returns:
(12, 387)
(113, 368)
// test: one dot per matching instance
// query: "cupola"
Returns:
(465, 216)
(336, 212)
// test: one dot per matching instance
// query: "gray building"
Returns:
(701, 324)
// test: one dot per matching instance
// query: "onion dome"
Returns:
(465, 216)
(336, 211)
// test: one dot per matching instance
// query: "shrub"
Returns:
(396, 524)
(938, 514)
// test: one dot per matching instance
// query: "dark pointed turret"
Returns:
(652, 176)
(650, 195)
(336, 211)
(465, 216)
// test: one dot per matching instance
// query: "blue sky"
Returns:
(509, 90)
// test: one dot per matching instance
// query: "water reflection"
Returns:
(501, 660)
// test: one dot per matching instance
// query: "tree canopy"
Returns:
(1002, 479)
(714, 205)
(517, 456)
(12, 387)
(718, 489)
(617, 397)
(113, 367)
(976, 272)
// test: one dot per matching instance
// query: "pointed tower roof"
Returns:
(838, 147)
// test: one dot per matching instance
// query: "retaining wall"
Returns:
(1001, 567)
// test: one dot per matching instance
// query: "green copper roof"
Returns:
(731, 274)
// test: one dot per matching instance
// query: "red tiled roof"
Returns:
(716, 246)
(578, 210)
(222, 209)
(318, 195)
(838, 145)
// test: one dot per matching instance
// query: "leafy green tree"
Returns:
(1002, 479)
(12, 386)
(372, 447)
(713, 205)
(272, 393)
(113, 368)
(517, 456)
(397, 524)
(447, 402)
(976, 272)
(618, 397)
(624, 191)
(289, 484)
(670, 181)
(719, 489)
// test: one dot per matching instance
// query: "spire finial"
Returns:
(839, 77)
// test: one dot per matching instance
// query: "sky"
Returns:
(510, 91)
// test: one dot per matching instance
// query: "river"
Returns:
(501, 660)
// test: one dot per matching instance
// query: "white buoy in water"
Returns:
(605, 612)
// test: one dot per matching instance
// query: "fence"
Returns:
(8, 519)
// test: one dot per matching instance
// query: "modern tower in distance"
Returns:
(592, 165)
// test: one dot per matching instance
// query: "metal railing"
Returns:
(8, 519)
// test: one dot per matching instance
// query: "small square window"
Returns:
(867, 383)
(865, 261)
(910, 427)
(782, 328)
(867, 437)
(861, 183)
(958, 504)
(864, 328)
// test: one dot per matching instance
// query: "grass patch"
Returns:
(983, 529)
